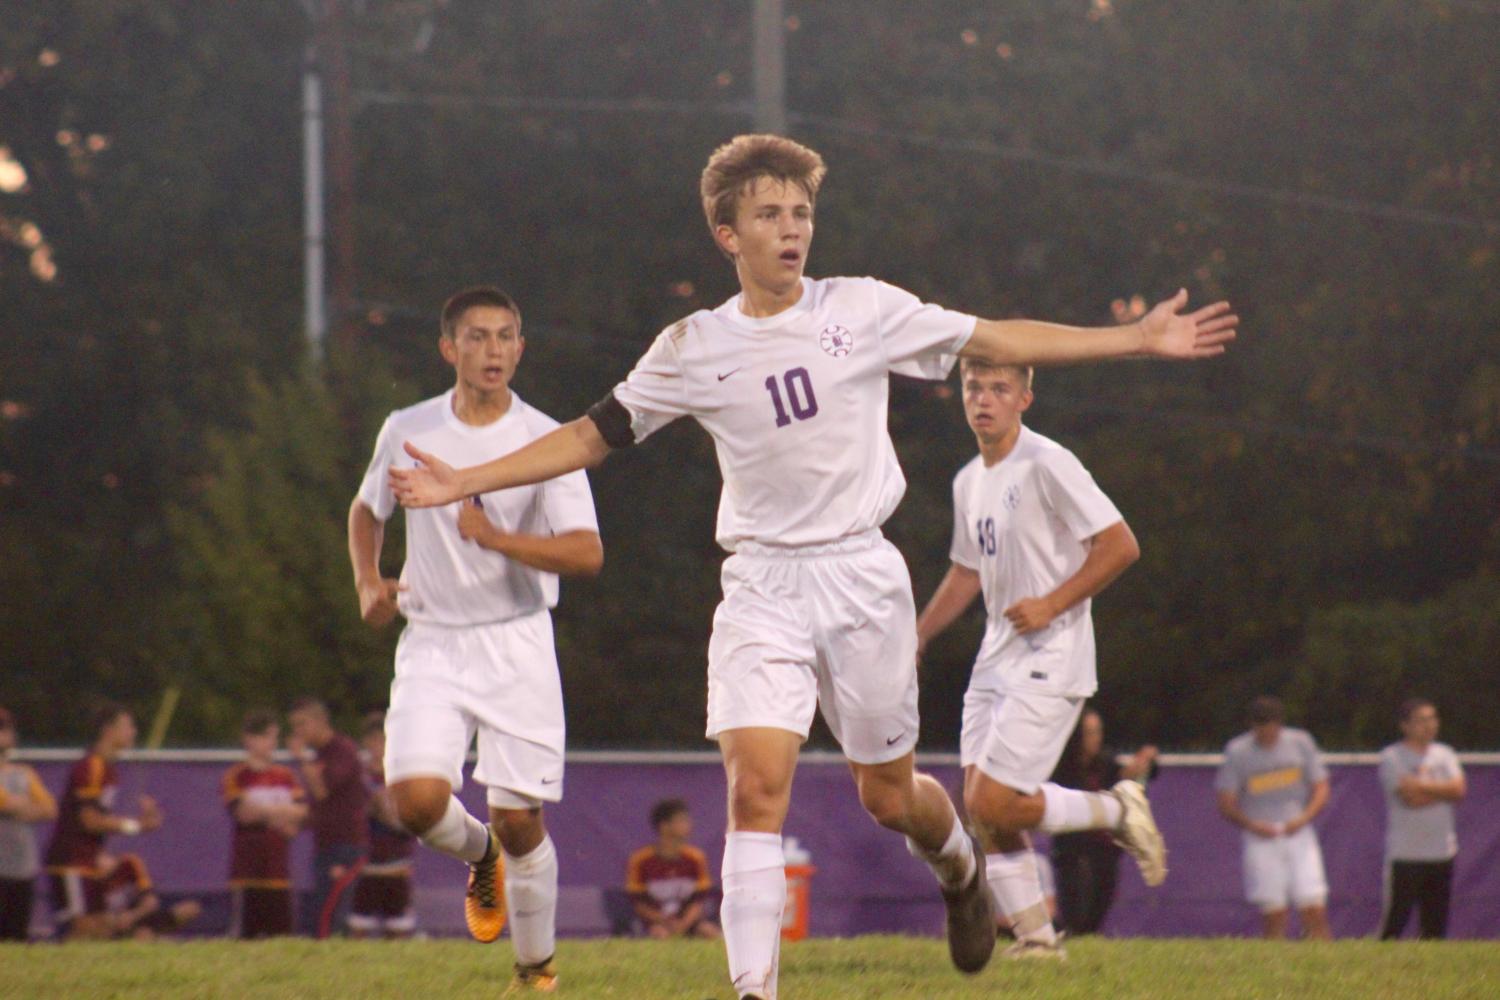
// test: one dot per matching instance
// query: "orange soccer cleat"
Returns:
(484, 901)
(539, 978)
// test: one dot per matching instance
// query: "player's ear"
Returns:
(448, 349)
(727, 239)
(1027, 396)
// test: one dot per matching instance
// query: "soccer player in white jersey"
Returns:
(1035, 534)
(477, 654)
(790, 377)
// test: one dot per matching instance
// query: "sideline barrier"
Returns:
(866, 882)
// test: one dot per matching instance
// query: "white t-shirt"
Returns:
(796, 403)
(1024, 525)
(451, 581)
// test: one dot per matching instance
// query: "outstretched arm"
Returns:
(1164, 332)
(957, 591)
(575, 445)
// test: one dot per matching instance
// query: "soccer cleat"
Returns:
(538, 978)
(484, 900)
(1027, 951)
(1137, 832)
(971, 919)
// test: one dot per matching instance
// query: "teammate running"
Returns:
(477, 653)
(1040, 539)
(790, 378)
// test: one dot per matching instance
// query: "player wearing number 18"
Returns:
(791, 379)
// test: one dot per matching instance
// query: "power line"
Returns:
(1088, 166)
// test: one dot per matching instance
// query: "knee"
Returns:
(518, 830)
(887, 803)
(419, 809)
(997, 809)
(756, 803)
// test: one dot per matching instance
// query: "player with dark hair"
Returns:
(668, 880)
(87, 816)
(791, 379)
(132, 908)
(382, 895)
(267, 807)
(477, 658)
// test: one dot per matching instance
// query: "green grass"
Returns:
(825, 970)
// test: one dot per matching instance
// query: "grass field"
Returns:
(812, 970)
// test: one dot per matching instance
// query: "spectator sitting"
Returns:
(267, 806)
(1086, 862)
(132, 909)
(86, 817)
(667, 880)
(382, 896)
(24, 800)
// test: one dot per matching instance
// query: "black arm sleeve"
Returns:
(613, 421)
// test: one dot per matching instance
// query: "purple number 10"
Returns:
(799, 393)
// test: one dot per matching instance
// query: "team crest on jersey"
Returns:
(1012, 497)
(836, 341)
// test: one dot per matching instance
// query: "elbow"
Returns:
(591, 562)
(1130, 548)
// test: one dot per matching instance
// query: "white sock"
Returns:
(953, 863)
(458, 834)
(531, 901)
(754, 876)
(1069, 809)
(1018, 889)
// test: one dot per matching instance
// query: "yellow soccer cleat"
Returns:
(484, 901)
(538, 978)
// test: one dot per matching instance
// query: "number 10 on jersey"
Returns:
(799, 394)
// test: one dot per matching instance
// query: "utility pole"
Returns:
(770, 67)
(314, 299)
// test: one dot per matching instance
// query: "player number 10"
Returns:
(799, 393)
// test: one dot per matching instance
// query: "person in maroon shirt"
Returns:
(86, 816)
(132, 909)
(382, 896)
(668, 880)
(335, 780)
(267, 805)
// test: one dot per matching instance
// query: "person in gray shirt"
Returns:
(23, 802)
(1422, 780)
(1271, 785)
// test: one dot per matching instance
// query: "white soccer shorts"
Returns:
(496, 681)
(825, 626)
(1016, 738)
(1283, 872)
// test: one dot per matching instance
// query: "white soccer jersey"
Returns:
(796, 403)
(1024, 525)
(450, 581)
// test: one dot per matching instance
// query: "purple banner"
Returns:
(865, 882)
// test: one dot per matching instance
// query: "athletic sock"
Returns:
(458, 834)
(1018, 889)
(754, 877)
(954, 863)
(1068, 809)
(531, 900)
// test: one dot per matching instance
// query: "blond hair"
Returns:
(735, 166)
(1026, 372)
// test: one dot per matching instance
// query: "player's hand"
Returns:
(1031, 614)
(1267, 830)
(431, 483)
(473, 523)
(1166, 333)
(378, 602)
(150, 817)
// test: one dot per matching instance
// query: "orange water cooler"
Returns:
(799, 873)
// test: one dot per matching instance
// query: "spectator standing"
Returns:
(24, 801)
(668, 880)
(335, 781)
(1086, 862)
(85, 818)
(1271, 785)
(267, 806)
(1422, 779)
